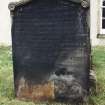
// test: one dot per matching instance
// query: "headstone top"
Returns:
(12, 5)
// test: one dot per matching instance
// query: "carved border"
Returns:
(13, 5)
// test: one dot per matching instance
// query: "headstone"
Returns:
(51, 50)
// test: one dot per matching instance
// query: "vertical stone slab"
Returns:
(51, 50)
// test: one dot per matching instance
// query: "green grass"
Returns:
(99, 67)
(6, 78)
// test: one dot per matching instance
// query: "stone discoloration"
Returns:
(68, 88)
(35, 92)
(59, 88)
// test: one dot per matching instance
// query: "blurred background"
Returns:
(5, 22)
(96, 21)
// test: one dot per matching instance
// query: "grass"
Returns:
(99, 66)
(6, 78)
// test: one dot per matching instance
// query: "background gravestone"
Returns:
(51, 50)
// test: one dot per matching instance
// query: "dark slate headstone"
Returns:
(51, 50)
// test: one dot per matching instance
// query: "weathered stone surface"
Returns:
(51, 51)
(39, 92)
